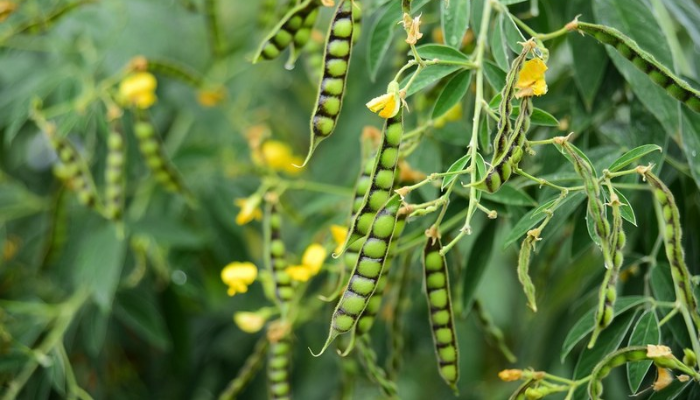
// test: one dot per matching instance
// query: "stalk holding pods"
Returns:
(294, 29)
(437, 287)
(336, 64)
(276, 253)
(114, 175)
(74, 170)
(278, 367)
(174, 70)
(153, 153)
(492, 330)
(375, 372)
(382, 181)
(672, 234)
(365, 276)
(629, 49)
(248, 370)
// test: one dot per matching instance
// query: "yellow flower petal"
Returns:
(531, 79)
(211, 97)
(249, 322)
(509, 375)
(250, 209)
(387, 105)
(300, 273)
(660, 351)
(138, 89)
(339, 234)
(238, 276)
(313, 257)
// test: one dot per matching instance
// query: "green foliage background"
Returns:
(170, 333)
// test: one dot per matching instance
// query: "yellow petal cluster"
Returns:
(386, 105)
(6, 9)
(412, 27)
(249, 322)
(138, 89)
(311, 263)
(509, 375)
(250, 209)
(278, 156)
(663, 379)
(531, 80)
(339, 234)
(660, 351)
(238, 276)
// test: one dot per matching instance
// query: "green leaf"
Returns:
(476, 14)
(495, 76)
(633, 155)
(506, 2)
(380, 35)
(458, 165)
(690, 135)
(663, 289)
(485, 136)
(431, 51)
(509, 195)
(626, 209)
(687, 14)
(428, 76)
(673, 391)
(455, 21)
(533, 217)
(512, 34)
(590, 226)
(452, 94)
(99, 264)
(645, 332)
(580, 153)
(589, 58)
(498, 45)
(585, 324)
(476, 264)
(141, 314)
(539, 117)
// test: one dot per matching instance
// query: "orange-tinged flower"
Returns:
(660, 351)
(339, 234)
(250, 209)
(388, 104)
(238, 276)
(6, 9)
(313, 257)
(300, 273)
(138, 89)
(249, 322)
(663, 379)
(509, 375)
(531, 80)
(211, 97)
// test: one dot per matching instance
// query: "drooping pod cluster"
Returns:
(641, 59)
(672, 234)
(495, 334)
(503, 165)
(505, 109)
(524, 268)
(368, 269)
(276, 253)
(278, 366)
(153, 153)
(336, 63)
(375, 372)
(293, 30)
(114, 175)
(73, 169)
(612, 360)
(381, 181)
(437, 287)
(248, 370)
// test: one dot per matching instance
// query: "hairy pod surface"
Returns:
(277, 256)
(176, 71)
(279, 362)
(368, 269)
(153, 153)
(659, 74)
(114, 175)
(523, 271)
(293, 30)
(381, 181)
(437, 287)
(374, 371)
(610, 361)
(332, 88)
(75, 172)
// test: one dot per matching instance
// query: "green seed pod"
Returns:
(437, 286)
(278, 367)
(154, 155)
(365, 276)
(367, 318)
(247, 372)
(659, 74)
(689, 358)
(357, 21)
(176, 71)
(36, 25)
(266, 13)
(505, 109)
(672, 242)
(276, 256)
(610, 361)
(385, 160)
(114, 175)
(336, 64)
(493, 332)
(374, 371)
(293, 30)
(75, 171)
(523, 271)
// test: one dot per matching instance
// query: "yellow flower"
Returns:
(238, 276)
(412, 27)
(388, 104)
(531, 79)
(300, 273)
(250, 209)
(278, 156)
(138, 89)
(249, 322)
(6, 9)
(313, 257)
(453, 114)
(328, 3)
(211, 97)
(509, 375)
(339, 233)
(660, 351)
(663, 379)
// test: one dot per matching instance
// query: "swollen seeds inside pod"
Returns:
(75, 172)
(293, 29)
(437, 286)
(335, 70)
(278, 368)
(659, 74)
(114, 176)
(382, 181)
(283, 282)
(368, 269)
(152, 151)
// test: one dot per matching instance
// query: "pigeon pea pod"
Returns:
(153, 153)
(294, 29)
(114, 175)
(73, 169)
